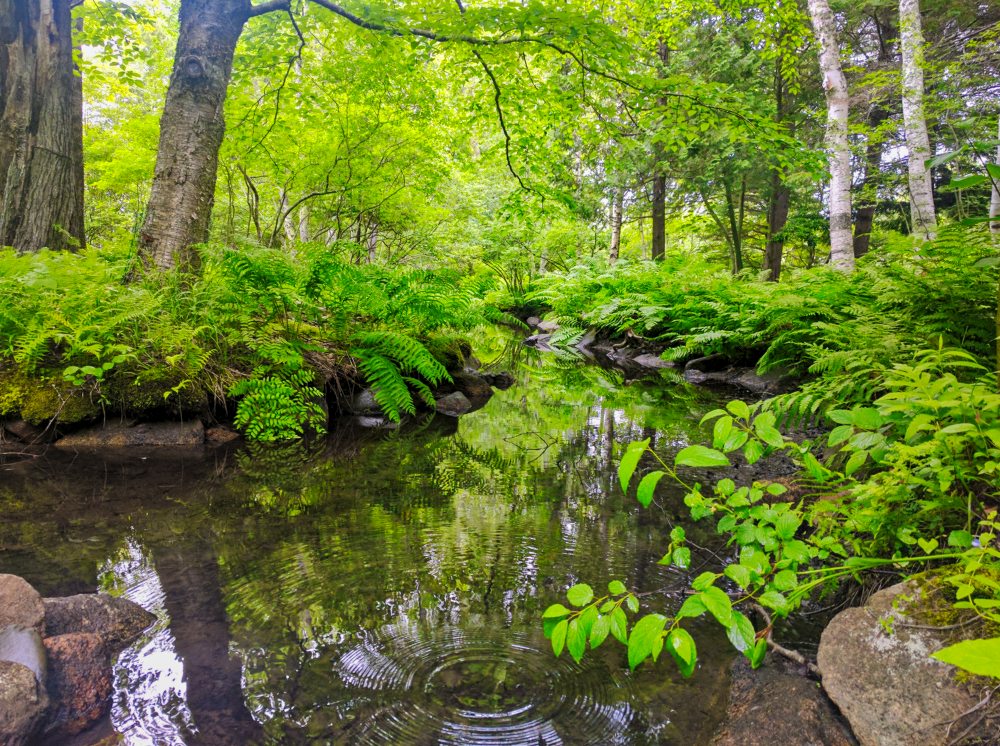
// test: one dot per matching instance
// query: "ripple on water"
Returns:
(453, 687)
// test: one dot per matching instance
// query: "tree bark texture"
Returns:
(659, 240)
(191, 132)
(838, 147)
(865, 218)
(777, 217)
(923, 220)
(41, 127)
(617, 205)
(995, 198)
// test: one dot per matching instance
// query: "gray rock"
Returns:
(709, 363)
(364, 403)
(23, 645)
(475, 387)
(768, 707)
(502, 380)
(20, 604)
(539, 341)
(380, 422)
(547, 326)
(454, 404)
(589, 337)
(533, 321)
(178, 434)
(117, 621)
(652, 361)
(885, 682)
(25, 431)
(23, 702)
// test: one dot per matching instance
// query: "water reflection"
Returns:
(379, 588)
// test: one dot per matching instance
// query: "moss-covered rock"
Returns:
(38, 400)
(153, 390)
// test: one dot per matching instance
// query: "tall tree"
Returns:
(658, 243)
(837, 106)
(995, 194)
(41, 127)
(924, 222)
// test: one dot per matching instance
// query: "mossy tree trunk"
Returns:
(41, 127)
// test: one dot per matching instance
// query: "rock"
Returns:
(117, 621)
(502, 381)
(547, 327)
(533, 321)
(23, 702)
(771, 383)
(709, 363)
(539, 341)
(25, 431)
(380, 422)
(181, 434)
(652, 361)
(364, 403)
(885, 682)
(589, 337)
(79, 683)
(768, 707)
(23, 645)
(454, 404)
(472, 363)
(474, 386)
(20, 604)
(218, 436)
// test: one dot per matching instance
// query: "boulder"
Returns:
(533, 321)
(877, 668)
(219, 435)
(79, 684)
(769, 706)
(379, 422)
(117, 435)
(23, 702)
(651, 361)
(502, 381)
(454, 404)
(474, 386)
(589, 337)
(25, 431)
(539, 341)
(364, 403)
(20, 604)
(547, 327)
(23, 645)
(117, 621)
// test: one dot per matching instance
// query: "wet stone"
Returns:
(22, 704)
(79, 683)
(20, 604)
(117, 621)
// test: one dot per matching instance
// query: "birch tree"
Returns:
(924, 223)
(838, 147)
(995, 194)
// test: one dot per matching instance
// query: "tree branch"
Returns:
(269, 7)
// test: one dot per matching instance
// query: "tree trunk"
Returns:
(865, 218)
(659, 240)
(617, 205)
(835, 85)
(995, 196)
(777, 217)
(372, 243)
(191, 132)
(41, 127)
(914, 123)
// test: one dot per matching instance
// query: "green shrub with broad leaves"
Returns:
(908, 483)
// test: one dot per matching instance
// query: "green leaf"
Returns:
(692, 607)
(738, 574)
(712, 415)
(741, 632)
(866, 418)
(720, 433)
(643, 637)
(841, 416)
(928, 547)
(753, 451)
(718, 604)
(787, 525)
(682, 558)
(599, 632)
(700, 456)
(576, 640)
(774, 600)
(768, 433)
(647, 486)
(580, 594)
(758, 653)
(704, 581)
(980, 657)
(633, 603)
(967, 182)
(626, 468)
(855, 462)
(616, 587)
(559, 637)
(619, 625)
(739, 409)
(839, 434)
(682, 649)
(960, 539)
(556, 610)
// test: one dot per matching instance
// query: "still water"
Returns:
(383, 587)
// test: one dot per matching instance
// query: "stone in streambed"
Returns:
(117, 621)
(117, 435)
(454, 404)
(474, 386)
(79, 683)
(23, 701)
(20, 604)
(652, 361)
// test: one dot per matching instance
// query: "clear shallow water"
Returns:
(382, 587)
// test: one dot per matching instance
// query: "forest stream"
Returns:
(384, 587)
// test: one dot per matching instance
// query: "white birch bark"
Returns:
(995, 197)
(617, 205)
(924, 222)
(838, 147)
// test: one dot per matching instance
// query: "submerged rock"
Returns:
(25, 432)
(20, 604)
(79, 683)
(709, 363)
(474, 386)
(364, 403)
(649, 360)
(768, 707)
(877, 668)
(145, 434)
(23, 702)
(454, 404)
(118, 621)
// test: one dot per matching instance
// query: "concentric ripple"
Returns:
(450, 687)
